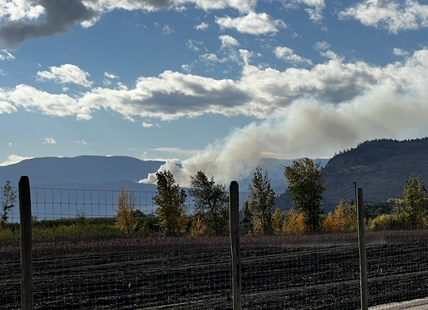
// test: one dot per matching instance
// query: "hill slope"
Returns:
(380, 167)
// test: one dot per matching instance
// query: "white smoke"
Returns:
(311, 128)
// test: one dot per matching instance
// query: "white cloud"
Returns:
(253, 23)
(66, 74)
(393, 16)
(13, 159)
(150, 6)
(227, 41)
(83, 142)
(288, 55)
(49, 141)
(9, 144)
(187, 67)
(32, 99)
(400, 52)
(167, 29)
(194, 45)
(5, 55)
(202, 26)
(110, 76)
(321, 46)
(259, 92)
(14, 10)
(314, 10)
(146, 125)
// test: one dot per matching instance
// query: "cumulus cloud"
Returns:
(14, 10)
(27, 20)
(32, 99)
(287, 54)
(66, 74)
(59, 16)
(258, 92)
(13, 159)
(155, 5)
(227, 41)
(252, 23)
(393, 16)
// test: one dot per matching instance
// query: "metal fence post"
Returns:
(362, 250)
(235, 246)
(26, 244)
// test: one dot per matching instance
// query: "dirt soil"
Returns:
(277, 273)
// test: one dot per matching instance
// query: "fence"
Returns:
(80, 262)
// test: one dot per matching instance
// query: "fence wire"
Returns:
(81, 261)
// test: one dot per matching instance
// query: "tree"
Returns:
(170, 199)
(125, 219)
(415, 201)
(345, 217)
(9, 198)
(277, 221)
(306, 188)
(261, 201)
(247, 219)
(211, 202)
(294, 223)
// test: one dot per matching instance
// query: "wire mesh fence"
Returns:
(82, 261)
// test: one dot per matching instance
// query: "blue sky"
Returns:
(216, 84)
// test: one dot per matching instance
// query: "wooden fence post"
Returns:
(235, 246)
(362, 250)
(26, 244)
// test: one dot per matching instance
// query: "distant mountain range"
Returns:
(113, 172)
(380, 167)
(80, 183)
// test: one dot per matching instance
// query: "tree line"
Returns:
(259, 215)
(211, 214)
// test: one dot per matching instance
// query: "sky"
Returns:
(213, 84)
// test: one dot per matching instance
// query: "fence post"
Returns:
(26, 244)
(235, 246)
(362, 250)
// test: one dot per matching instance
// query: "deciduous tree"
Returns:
(170, 200)
(415, 201)
(261, 201)
(125, 219)
(211, 202)
(306, 188)
(8, 202)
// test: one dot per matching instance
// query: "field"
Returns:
(306, 272)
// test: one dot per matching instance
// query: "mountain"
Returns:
(81, 169)
(380, 168)
(66, 185)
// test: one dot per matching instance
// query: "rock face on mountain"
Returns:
(380, 168)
